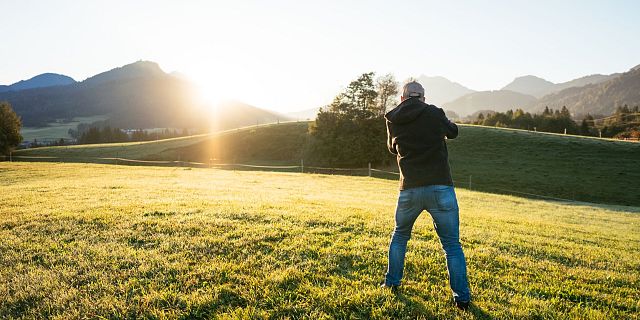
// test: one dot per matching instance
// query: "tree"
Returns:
(360, 96)
(10, 125)
(387, 88)
(584, 128)
(351, 130)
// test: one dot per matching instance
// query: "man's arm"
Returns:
(390, 145)
(451, 129)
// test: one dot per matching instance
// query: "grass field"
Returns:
(130, 150)
(57, 130)
(101, 241)
(495, 160)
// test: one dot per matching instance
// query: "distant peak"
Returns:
(41, 80)
(50, 75)
(530, 77)
(433, 77)
(137, 69)
(143, 64)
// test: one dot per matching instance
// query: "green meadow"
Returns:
(495, 160)
(57, 130)
(120, 242)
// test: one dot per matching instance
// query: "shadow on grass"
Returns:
(625, 205)
(477, 312)
(418, 308)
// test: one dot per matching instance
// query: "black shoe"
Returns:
(463, 305)
(393, 289)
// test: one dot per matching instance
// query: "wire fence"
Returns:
(467, 183)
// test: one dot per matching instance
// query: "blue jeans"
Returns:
(440, 201)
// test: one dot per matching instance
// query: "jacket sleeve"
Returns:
(390, 145)
(451, 129)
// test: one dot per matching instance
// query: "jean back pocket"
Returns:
(446, 199)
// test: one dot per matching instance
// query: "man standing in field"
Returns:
(416, 134)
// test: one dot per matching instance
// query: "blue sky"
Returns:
(292, 55)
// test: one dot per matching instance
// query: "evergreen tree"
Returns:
(584, 128)
(10, 125)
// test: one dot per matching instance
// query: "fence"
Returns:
(467, 183)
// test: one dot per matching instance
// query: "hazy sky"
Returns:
(291, 55)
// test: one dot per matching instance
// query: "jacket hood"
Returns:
(407, 111)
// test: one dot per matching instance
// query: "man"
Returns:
(416, 134)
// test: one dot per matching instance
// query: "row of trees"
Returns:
(107, 134)
(548, 121)
(623, 124)
(351, 130)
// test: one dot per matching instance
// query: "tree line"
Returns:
(623, 124)
(106, 134)
(548, 121)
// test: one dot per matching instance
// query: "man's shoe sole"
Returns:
(463, 305)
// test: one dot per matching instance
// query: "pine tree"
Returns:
(584, 128)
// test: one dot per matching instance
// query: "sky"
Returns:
(294, 55)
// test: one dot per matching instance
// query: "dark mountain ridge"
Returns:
(39, 81)
(598, 98)
(539, 87)
(137, 95)
(500, 100)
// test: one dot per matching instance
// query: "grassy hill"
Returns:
(191, 148)
(495, 160)
(102, 241)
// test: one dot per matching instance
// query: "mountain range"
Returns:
(137, 95)
(539, 87)
(594, 94)
(499, 100)
(142, 95)
(601, 98)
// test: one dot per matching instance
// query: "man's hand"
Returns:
(451, 129)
